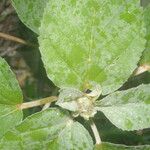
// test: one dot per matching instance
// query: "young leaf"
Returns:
(50, 129)
(110, 146)
(10, 96)
(68, 98)
(80, 103)
(128, 110)
(83, 41)
(77, 102)
(30, 12)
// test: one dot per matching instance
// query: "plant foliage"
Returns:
(10, 96)
(90, 49)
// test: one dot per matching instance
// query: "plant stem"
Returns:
(95, 132)
(15, 39)
(36, 103)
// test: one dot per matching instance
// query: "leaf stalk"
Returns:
(37, 103)
(95, 132)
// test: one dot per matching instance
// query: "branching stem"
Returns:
(37, 103)
(95, 132)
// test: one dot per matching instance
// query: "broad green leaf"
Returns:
(145, 60)
(89, 40)
(51, 129)
(128, 110)
(110, 146)
(30, 12)
(10, 96)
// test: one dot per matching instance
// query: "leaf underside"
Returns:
(128, 110)
(10, 96)
(83, 41)
(50, 129)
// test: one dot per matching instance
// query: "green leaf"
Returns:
(110, 146)
(84, 41)
(128, 110)
(30, 12)
(10, 96)
(50, 129)
(145, 60)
